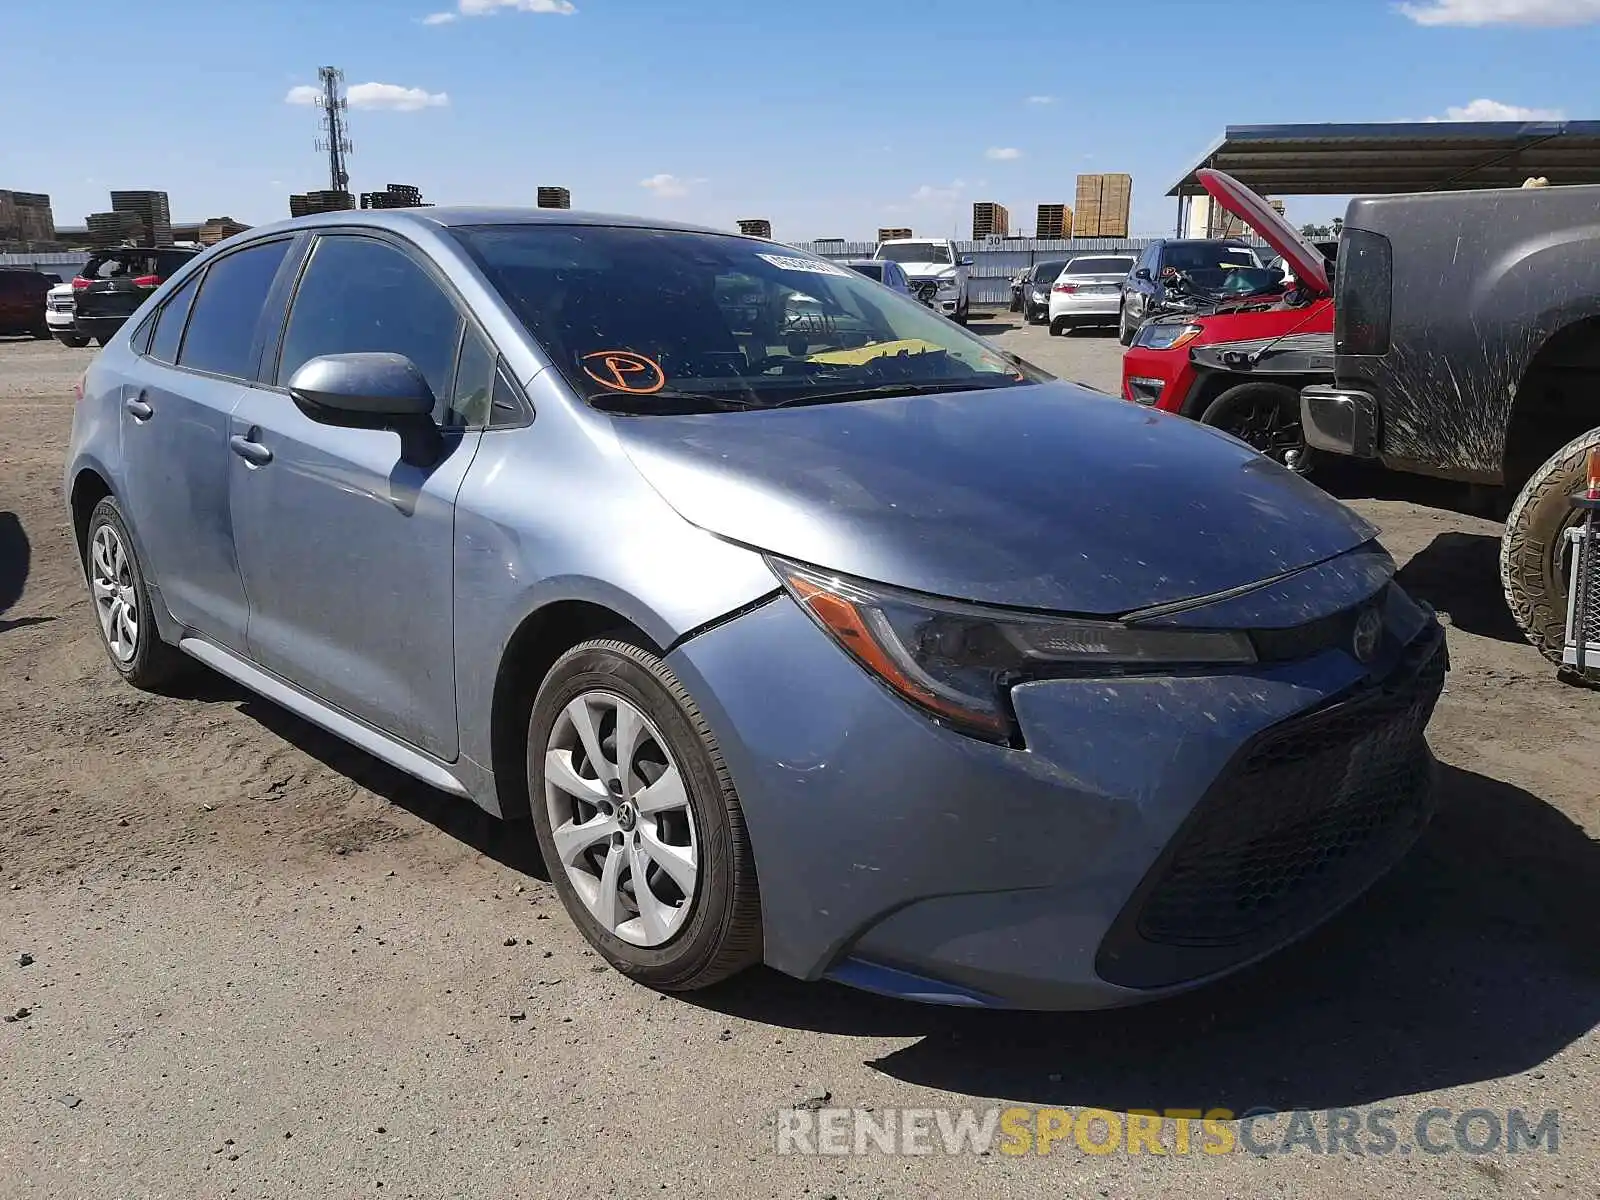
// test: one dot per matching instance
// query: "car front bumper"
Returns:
(60, 321)
(1103, 864)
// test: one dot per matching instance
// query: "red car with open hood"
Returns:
(1238, 359)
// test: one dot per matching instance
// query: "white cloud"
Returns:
(931, 194)
(1041, 99)
(1503, 12)
(439, 18)
(375, 95)
(668, 187)
(487, 8)
(1494, 110)
(1003, 153)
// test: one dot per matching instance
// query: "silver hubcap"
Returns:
(111, 581)
(621, 820)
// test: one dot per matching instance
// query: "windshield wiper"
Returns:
(670, 403)
(889, 390)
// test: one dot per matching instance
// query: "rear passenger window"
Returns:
(170, 321)
(361, 295)
(222, 326)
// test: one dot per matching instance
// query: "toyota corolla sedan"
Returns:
(848, 644)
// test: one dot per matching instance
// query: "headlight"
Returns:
(957, 662)
(1158, 336)
(948, 285)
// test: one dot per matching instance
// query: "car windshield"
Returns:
(870, 270)
(1208, 256)
(1099, 266)
(655, 321)
(915, 252)
(1046, 272)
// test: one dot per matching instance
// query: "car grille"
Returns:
(925, 290)
(60, 303)
(1306, 816)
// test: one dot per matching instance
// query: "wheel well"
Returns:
(1555, 401)
(88, 489)
(543, 637)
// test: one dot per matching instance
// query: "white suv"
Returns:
(60, 313)
(938, 277)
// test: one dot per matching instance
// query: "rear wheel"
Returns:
(1267, 416)
(638, 820)
(74, 341)
(1059, 326)
(1535, 552)
(122, 603)
(1125, 332)
(103, 340)
(42, 333)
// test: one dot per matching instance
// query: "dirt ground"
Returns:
(263, 964)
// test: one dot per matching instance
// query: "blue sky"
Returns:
(828, 117)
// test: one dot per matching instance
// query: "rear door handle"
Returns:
(251, 451)
(140, 410)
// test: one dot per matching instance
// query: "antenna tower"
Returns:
(335, 139)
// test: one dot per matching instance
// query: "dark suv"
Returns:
(22, 294)
(113, 283)
(1203, 260)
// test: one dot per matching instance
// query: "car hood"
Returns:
(1045, 496)
(1305, 260)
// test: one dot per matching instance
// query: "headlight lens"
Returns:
(947, 285)
(957, 661)
(1164, 336)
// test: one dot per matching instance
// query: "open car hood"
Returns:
(1046, 496)
(1310, 268)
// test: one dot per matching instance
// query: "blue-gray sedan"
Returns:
(797, 624)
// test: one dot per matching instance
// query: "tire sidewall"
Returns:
(1531, 554)
(640, 678)
(1220, 408)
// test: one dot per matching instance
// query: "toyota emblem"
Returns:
(1368, 634)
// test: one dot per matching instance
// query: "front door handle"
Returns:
(140, 410)
(252, 452)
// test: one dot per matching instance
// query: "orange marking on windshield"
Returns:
(625, 371)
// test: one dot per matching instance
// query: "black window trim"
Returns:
(272, 351)
(204, 272)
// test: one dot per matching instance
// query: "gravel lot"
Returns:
(263, 964)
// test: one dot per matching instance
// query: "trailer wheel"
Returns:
(1535, 554)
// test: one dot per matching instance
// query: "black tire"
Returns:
(1266, 415)
(1534, 559)
(73, 341)
(1125, 335)
(721, 935)
(960, 317)
(103, 341)
(42, 334)
(1060, 326)
(153, 664)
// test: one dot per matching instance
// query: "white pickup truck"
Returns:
(938, 276)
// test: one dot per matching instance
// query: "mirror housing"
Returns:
(965, 261)
(371, 391)
(1142, 273)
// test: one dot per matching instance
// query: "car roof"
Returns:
(448, 217)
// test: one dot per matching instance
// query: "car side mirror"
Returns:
(964, 262)
(372, 391)
(1142, 273)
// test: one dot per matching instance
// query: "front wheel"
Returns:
(1267, 416)
(638, 820)
(102, 342)
(1535, 552)
(1125, 332)
(960, 316)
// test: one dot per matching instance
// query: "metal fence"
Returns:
(62, 263)
(994, 263)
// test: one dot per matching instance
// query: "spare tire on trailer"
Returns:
(1535, 556)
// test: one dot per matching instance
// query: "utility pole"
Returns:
(335, 140)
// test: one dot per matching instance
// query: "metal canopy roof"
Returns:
(1311, 160)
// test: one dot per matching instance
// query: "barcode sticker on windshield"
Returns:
(786, 262)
